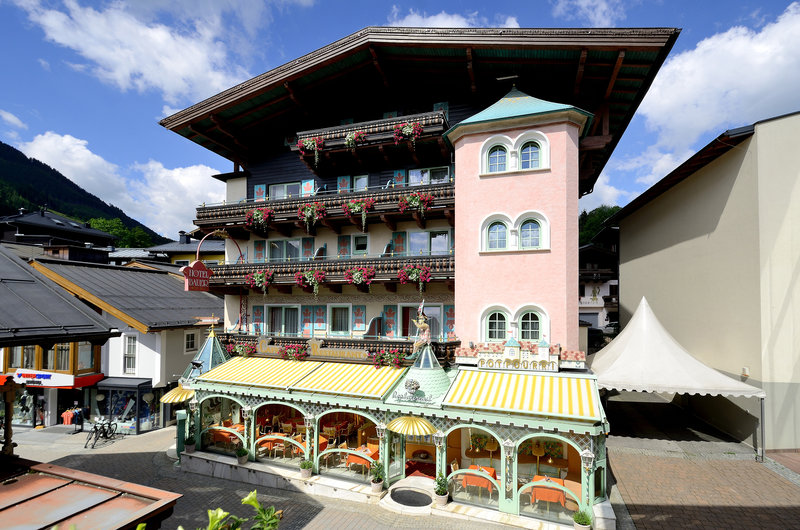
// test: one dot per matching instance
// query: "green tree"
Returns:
(589, 224)
(134, 237)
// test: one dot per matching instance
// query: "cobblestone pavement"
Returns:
(672, 471)
(142, 459)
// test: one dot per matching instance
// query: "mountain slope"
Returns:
(29, 183)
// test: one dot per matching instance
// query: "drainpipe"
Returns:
(760, 456)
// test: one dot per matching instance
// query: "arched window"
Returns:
(529, 156)
(529, 326)
(496, 326)
(497, 236)
(529, 234)
(497, 159)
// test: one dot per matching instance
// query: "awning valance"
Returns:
(568, 396)
(177, 395)
(259, 371)
(357, 380)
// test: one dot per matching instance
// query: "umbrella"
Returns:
(412, 426)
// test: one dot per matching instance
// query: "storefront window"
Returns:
(149, 417)
(24, 408)
(28, 357)
(49, 359)
(14, 357)
(85, 356)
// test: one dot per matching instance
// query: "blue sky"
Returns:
(85, 83)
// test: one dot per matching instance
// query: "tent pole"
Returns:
(760, 456)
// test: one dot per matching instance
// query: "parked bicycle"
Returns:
(106, 429)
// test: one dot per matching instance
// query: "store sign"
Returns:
(196, 276)
(43, 379)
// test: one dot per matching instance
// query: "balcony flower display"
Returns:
(310, 279)
(415, 273)
(258, 218)
(311, 213)
(392, 357)
(359, 275)
(358, 206)
(416, 201)
(407, 131)
(354, 138)
(244, 349)
(260, 279)
(298, 352)
(311, 145)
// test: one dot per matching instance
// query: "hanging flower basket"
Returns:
(310, 279)
(407, 131)
(421, 202)
(258, 218)
(260, 279)
(297, 352)
(243, 349)
(358, 206)
(311, 213)
(419, 274)
(355, 138)
(392, 357)
(359, 275)
(311, 145)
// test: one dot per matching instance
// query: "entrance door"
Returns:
(397, 457)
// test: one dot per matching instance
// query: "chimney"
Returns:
(22, 211)
(184, 238)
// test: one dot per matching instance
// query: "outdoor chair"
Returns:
(287, 428)
(330, 433)
(343, 456)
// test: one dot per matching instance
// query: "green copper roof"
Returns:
(513, 342)
(209, 356)
(517, 104)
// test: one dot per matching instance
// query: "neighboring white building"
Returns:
(160, 335)
(715, 248)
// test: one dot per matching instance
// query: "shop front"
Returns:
(131, 402)
(49, 398)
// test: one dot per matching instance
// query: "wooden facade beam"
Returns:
(579, 73)
(389, 222)
(614, 73)
(471, 71)
(377, 65)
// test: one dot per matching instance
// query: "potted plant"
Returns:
(377, 477)
(581, 520)
(189, 443)
(241, 455)
(305, 468)
(440, 489)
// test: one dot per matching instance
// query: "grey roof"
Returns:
(153, 298)
(130, 253)
(35, 311)
(157, 265)
(210, 246)
(50, 221)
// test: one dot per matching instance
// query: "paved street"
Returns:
(142, 459)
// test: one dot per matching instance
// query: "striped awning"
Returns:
(259, 371)
(556, 395)
(411, 426)
(357, 380)
(177, 395)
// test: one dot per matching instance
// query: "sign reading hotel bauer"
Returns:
(196, 276)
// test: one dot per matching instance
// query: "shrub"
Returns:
(581, 517)
(306, 464)
(241, 451)
(377, 472)
(440, 485)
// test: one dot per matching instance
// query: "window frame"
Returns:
(267, 324)
(286, 195)
(522, 330)
(496, 148)
(426, 176)
(353, 251)
(529, 143)
(489, 235)
(355, 179)
(186, 348)
(521, 244)
(130, 367)
(488, 326)
(283, 245)
(331, 320)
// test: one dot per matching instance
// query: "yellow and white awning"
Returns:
(177, 395)
(556, 395)
(356, 380)
(259, 371)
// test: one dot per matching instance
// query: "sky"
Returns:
(84, 84)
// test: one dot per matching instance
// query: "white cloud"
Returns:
(729, 79)
(12, 120)
(593, 13)
(604, 193)
(653, 163)
(44, 64)
(419, 19)
(187, 61)
(163, 199)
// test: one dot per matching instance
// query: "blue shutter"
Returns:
(390, 321)
(399, 177)
(260, 192)
(359, 318)
(343, 184)
(343, 246)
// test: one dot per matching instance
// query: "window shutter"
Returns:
(320, 317)
(259, 250)
(306, 320)
(343, 246)
(308, 248)
(260, 192)
(389, 320)
(343, 184)
(307, 188)
(258, 319)
(399, 245)
(449, 321)
(399, 177)
(359, 318)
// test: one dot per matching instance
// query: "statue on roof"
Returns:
(423, 329)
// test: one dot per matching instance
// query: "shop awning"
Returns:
(258, 371)
(124, 382)
(356, 380)
(177, 395)
(558, 395)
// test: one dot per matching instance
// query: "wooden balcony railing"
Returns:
(285, 219)
(442, 268)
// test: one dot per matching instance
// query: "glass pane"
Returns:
(440, 175)
(275, 320)
(277, 191)
(497, 159)
(497, 236)
(418, 243)
(276, 250)
(360, 182)
(530, 234)
(530, 156)
(85, 356)
(497, 326)
(440, 244)
(291, 321)
(29, 357)
(62, 359)
(417, 177)
(293, 249)
(341, 319)
(49, 359)
(360, 245)
(15, 361)
(434, 321)
(293, 189)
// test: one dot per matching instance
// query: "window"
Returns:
(435, 175)
(497, 159)
(340, 319)
(529, 156)
(284, 191)
(184, 262)
(360, 182)
(496, 326)
(22, 357)
(497, 236)
(283, 321)
(190, 341)
(529, 326)
(62, 357)
(284, 250)
(434, 243)
(360, 245)
(130, 354)
(529, 234)
(85, 356)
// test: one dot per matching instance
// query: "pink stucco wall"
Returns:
(512, 280)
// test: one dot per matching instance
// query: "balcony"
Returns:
(231, 217)
(611, 302)
(373, 143)
(232, 278)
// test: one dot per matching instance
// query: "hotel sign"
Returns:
(196, 276)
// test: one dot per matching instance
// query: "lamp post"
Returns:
(508, 446)
(193, 404)
(438, 438)
(381, 430)
(587, 459)
(308, 421)
(246, 412)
